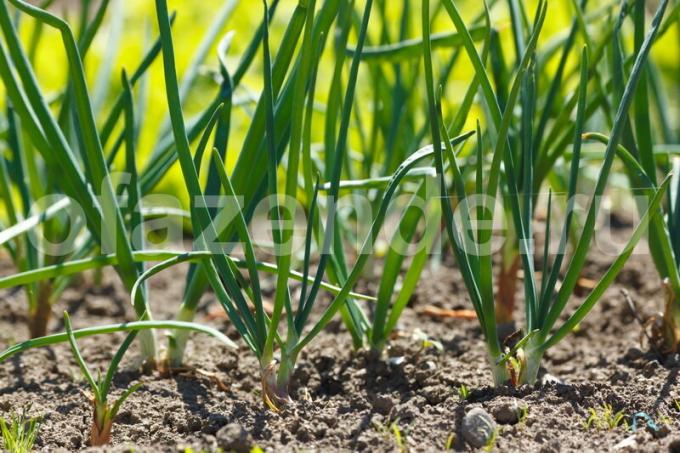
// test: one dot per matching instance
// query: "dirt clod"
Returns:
(508, 410)
(234, 437)
(383, 404)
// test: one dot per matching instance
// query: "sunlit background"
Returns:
(130, 28)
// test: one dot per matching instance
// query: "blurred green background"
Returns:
(130, 28)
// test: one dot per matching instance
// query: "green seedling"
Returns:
(491, 444)
(104, 412)
(604, 419)
(463, 392)
(425, 341)
(450, 441)
(19, 433)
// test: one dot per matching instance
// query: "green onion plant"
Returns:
(283, 129)
(644, 160)
(545, 127)
(104, 413)
(22, 172)
(544, 300)
(113, 219)
(75, 153)
(399, 133)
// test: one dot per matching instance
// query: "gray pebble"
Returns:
(548, 379)
(234, 437)
(478, 427)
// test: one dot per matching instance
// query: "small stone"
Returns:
(629, 443)
(234, 437)
(650, 368)
(674, 446)
(633, 354)
(549, 379)
(672, 361)
(662, 431)
(383, 404)
(429, 365)
(508, 411)
(478, 427)
(396, 361)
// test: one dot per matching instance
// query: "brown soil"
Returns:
(343, 401)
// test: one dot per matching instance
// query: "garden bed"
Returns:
(343, 400)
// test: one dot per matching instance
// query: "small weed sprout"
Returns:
(463, 392)
(666, 420)
(492, 440)
(393, 430)
(426, 342)
(19, 433)
(604, 419)
(450, 441)
(399, 438)
(523, 414)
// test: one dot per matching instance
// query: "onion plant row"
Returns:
(294, 153)
(544, 301)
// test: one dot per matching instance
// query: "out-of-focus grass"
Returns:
(193, 20)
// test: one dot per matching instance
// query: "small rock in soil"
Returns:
(383, 404)
(508, 410)
(661, 432)
(552, 447)
(435, 394)
(650, 368)
(633, 354)
(478, 427)
(396, 361)
(429, 365)
(549, 379)
(234, 437)
(672, 361)
(629, 443)
(674, 446)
